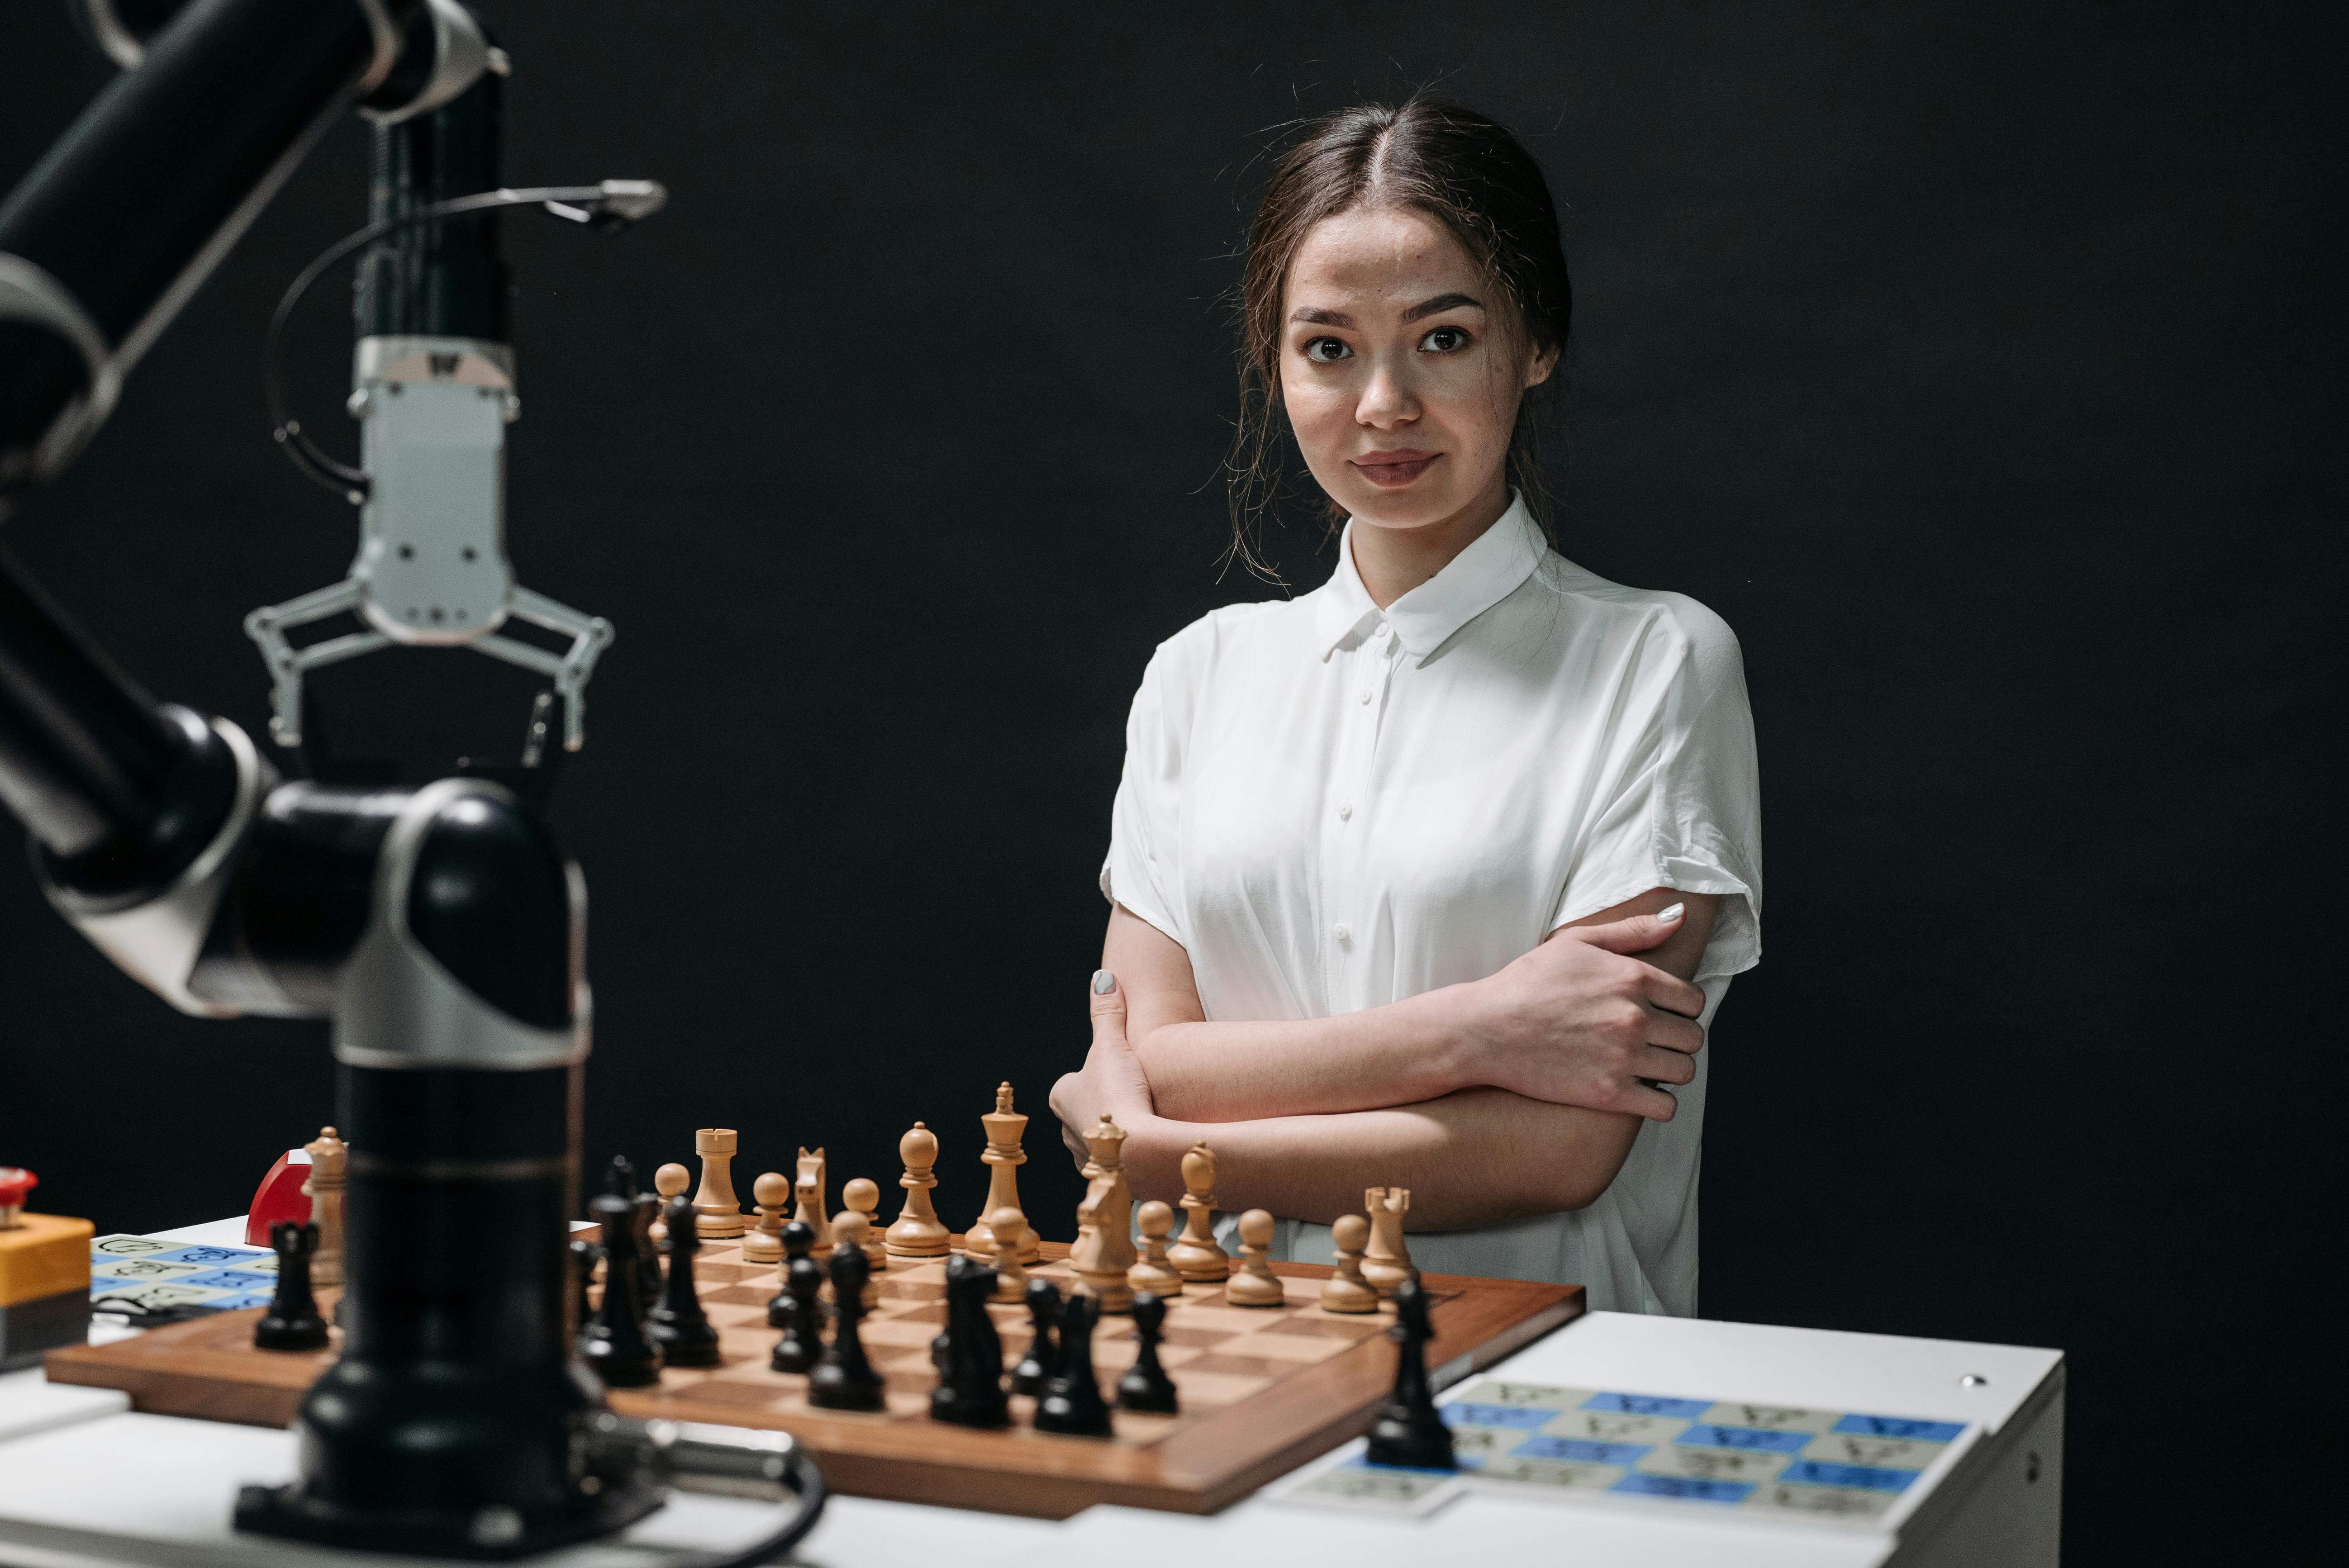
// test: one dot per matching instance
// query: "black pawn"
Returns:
(1073, 1403)
(677, 1325)
(1410, 1431)
(843, 1379)
(797, 1240)
(798, 1311)
(1036, 1368)
(970, 1383)
(621, 1181)
(1146, 1386)
(583, 1269)
(615, 1343)
(292, 1322)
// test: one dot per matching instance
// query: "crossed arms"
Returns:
(1515, 1095)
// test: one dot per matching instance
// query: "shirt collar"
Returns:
(1424, 619)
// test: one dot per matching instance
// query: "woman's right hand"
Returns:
(1581, 1021)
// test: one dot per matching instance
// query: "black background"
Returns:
(1978, 362)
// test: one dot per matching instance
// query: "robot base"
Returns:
(493, 1534)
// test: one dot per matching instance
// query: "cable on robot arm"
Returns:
(609, 206)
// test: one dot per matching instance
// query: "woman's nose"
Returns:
(1387, 400)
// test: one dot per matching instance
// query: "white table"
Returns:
(86, 1483)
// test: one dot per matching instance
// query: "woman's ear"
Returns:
(1540, 364)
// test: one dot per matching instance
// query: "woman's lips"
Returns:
(1390, 470)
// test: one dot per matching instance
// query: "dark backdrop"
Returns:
(1977, 361)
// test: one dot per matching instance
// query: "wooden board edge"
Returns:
(160, 1391)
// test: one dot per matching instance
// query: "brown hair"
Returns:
(1458, 166)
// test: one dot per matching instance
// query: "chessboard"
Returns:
(1263, 1389)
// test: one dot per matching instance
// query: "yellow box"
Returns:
(43, 1255)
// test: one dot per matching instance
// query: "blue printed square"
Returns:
(1462, 1413)
(1647, 1405)
(1749, 1439)
(1863, 1478)
(1685, 1488)
(1581, 1451)
(211, 1257)
(1895, 1427)
(232, 1279)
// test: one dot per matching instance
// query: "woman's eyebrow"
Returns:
(1321, 317)
(1440, 303)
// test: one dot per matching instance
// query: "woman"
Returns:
(1433, 876)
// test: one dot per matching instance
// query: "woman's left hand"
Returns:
(1110, 1081)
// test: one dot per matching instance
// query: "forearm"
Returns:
(1402, 1054)
(1477, 1157)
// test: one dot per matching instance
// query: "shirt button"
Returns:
(1345, 810)
(1343, 933)
(1365, 696)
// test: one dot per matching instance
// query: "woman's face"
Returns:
(1400, 368)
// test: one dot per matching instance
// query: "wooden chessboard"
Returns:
(1262, 1388)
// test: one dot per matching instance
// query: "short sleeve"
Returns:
(1679, 801)
(1140, 869)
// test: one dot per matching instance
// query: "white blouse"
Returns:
(1331, 807)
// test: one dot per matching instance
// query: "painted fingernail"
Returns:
(1671, 912)
(1103, 982)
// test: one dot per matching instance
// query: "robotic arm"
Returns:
(434, 390)
(441, 929)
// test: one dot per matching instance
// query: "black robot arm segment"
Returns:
(229, 98)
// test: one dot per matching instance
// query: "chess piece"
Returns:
(292, 1322)
(843, 1379)
(1043, 1359)
(1252, 1285)
(918, 1234)
(677, 1323)
(670, 1180)
(583, 1269)
(717, 1212)
(1003, 1158)
(329, 1161)
(1097, 1277)
(1106, 1144)
(614, 1344)
(1008, 1229)
(798, 1308)
(764, 1242)
(970, 1382)
(1195, 1256)
(864, 1195)
(1072, 1403)
(807, 1188)
(1410, 1431)
(1146, 1386)
(1386, 1262)
(620, 1181)
(848, 1230)
(648, 1264)
(1153, 1272)
(1347, 1290)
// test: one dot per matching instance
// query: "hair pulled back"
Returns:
(1456, 165)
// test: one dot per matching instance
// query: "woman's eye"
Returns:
(1327, 351)
(1446, 339)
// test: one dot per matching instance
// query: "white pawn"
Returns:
(1252, 1283)
(1008, 1227)
(1152, 1271)
(864, 1195)
(772, 1195)
(1347, 1290)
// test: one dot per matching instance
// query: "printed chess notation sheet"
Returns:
(1834, 1466)
(143, 1276)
